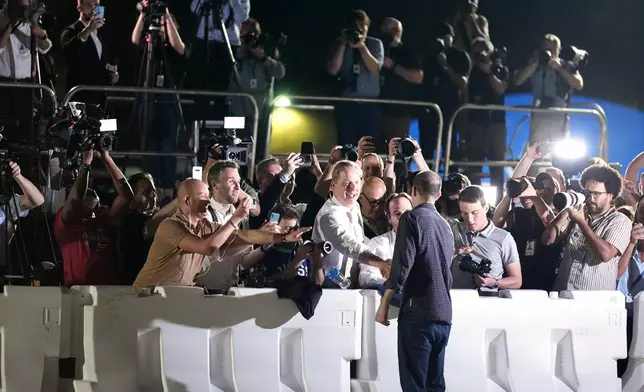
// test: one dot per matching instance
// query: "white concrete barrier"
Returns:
(633, 379)
(30, 322)
(524, 341)
(181, 340)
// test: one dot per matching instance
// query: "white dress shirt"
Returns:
(94, 36)
(342, 227)
(383, 247)
(18, 52)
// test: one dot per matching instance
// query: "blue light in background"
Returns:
(625, 125)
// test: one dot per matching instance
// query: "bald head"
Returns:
(372, 200)
(391, 30)
(427, 185)
(392, 24)
(193, 196)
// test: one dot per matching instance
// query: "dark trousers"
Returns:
(354, 120)
(428, 132)
(16, 106)
(486, 141)
(162, 137)
(210, 68)
(622, 364)
(421, 353)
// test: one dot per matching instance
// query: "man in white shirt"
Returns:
(383, 245)
(16, 64)
(339, 222)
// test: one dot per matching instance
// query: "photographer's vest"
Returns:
(549, 89)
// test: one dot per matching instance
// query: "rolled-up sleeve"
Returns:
(404, 253)
(335, 227)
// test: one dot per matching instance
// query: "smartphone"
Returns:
(275, 218)
(99, 12)
(197, 172)
(306, 153)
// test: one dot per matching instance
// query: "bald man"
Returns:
(184, 240)
(372, 205)
(401, 70)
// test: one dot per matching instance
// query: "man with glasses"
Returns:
(372, 205)
(595, 234)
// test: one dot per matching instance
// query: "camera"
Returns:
(265, 40)
(353, 35)
(516, 186)
(453, 184)
(156, 10)
(437, 47)
(467, 264)
(406, 147)
(349, 153)
(563, 200)
(325, 247)
(38, 16)
(499, 59)
(574, 58)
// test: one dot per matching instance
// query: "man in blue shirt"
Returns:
(356, 62)
(211, 67)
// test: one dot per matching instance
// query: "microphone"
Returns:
(113, 68)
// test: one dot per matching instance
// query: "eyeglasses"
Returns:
(373, 202)
(595, 195)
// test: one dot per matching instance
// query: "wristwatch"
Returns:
(496, 284)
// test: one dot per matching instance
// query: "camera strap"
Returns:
(355, 70)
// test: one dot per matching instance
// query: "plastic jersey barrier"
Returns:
(181, 340)
(523, 342)
(633, 379)
(30, 321)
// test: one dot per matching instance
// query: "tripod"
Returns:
(9, 207)
(155, 44)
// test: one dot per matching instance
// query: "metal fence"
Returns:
(33, 86)
(599, 113)
(428, 105)
(177, 93)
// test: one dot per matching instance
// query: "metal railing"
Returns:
(34, 86)
(601, 116)
(175, 92)
(427, 105)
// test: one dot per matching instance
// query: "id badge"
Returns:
(160, 81)
(530, 248)
(356, 69)
(253, 83)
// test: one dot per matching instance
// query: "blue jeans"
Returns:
(421, 353)
(396, 299)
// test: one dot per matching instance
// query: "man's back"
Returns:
(429, 241)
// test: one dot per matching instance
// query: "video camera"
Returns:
(227, 139)
(563, 200)
(38, 16)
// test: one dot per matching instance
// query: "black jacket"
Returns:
(84, 67)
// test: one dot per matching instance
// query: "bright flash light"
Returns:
(570, 149)
(281, 102)
(491, 194)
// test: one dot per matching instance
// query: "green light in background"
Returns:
(282, 102)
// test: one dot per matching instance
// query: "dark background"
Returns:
(610, 31)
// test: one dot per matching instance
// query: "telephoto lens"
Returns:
(406, 148)
(563, 200)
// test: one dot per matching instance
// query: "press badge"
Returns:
(253, 83)
(356, 68)
(160, 81)
(530, 248)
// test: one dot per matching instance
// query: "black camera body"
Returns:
(349, 153)
(155, 11)
(353, 36)
(499, 59)
(544, 57)
(467, 264)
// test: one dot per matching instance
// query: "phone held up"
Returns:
(275, 218)
(306, 153)
(99, 12)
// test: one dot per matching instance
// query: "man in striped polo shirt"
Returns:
(595, 235)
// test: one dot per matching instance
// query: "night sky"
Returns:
(610, 31)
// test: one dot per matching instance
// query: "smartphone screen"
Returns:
(275, 217)
(197, 172)
(99, 12)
